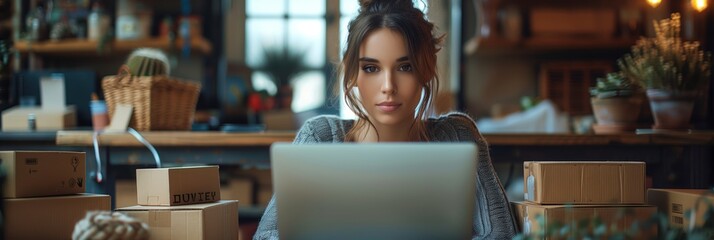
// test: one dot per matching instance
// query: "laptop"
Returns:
(374, 190)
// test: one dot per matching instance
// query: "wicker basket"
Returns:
(159, 102)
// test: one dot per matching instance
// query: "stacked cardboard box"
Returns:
(183, 203)
(45, 191)
(567, 192)
(676, 202)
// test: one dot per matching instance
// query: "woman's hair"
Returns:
(400, 16)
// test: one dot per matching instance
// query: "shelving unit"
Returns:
(494, 46)
(87, 47)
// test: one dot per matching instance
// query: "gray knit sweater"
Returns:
(492, 215)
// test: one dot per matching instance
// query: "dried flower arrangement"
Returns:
(666, 61)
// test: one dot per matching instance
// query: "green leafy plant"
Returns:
(282, 64)
(588, 228)
(614, 84)
(596, 228)
(667, 62)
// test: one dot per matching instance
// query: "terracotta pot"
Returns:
(671, 110)
(624, 110)
(617, 114)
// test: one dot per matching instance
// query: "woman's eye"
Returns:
(405, 68)
(369, 69)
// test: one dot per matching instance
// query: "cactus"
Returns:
(148, 62)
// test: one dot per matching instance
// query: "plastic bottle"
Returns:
(97, 23)
(100, 118)
(31, 122)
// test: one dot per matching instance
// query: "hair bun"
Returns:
(375, 6)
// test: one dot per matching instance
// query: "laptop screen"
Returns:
(374, 191)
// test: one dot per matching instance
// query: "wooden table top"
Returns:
(209, 139)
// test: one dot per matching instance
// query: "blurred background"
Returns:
(497, 57)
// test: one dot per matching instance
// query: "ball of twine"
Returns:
(109, 225)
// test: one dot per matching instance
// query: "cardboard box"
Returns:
(177, 186)
(125, 193)
(43, 173)
(15, 119)
(676, 202)
(198, 221)
(49, 217)
(264, 195)
(584, 182)
(621, 216)
(239, 189)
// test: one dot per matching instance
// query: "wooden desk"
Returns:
(674, 159)
(175, 139)
(201, 139)
(671, 138)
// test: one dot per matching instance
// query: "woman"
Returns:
(389, 79)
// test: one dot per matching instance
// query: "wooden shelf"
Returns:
(87, 47)
(478, 46)
(175, 138)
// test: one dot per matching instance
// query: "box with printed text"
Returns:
(43, 173)
(675, 203)
(177, 186)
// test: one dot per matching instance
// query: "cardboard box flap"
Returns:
(585, 162)
(200, 206)
(690, 192)
(50, 198)
(586, 206)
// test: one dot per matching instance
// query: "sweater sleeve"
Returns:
(493, 218)
(268, 226)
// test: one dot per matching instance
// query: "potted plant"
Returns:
(596, 227)
(282, 64)
(673, 71)
(616, 104)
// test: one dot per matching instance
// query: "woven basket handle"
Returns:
(124, 70)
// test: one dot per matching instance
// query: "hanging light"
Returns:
(655, 3)
(699, 5)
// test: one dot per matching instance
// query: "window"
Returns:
(301, 26)
(295, 26)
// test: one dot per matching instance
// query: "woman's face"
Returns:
(388, 87)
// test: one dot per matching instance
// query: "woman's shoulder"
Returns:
(454, 119)
(332, 121)
(454, 125)
(323, 128)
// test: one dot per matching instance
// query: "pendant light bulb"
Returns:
(654, 3)
(699, 5)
